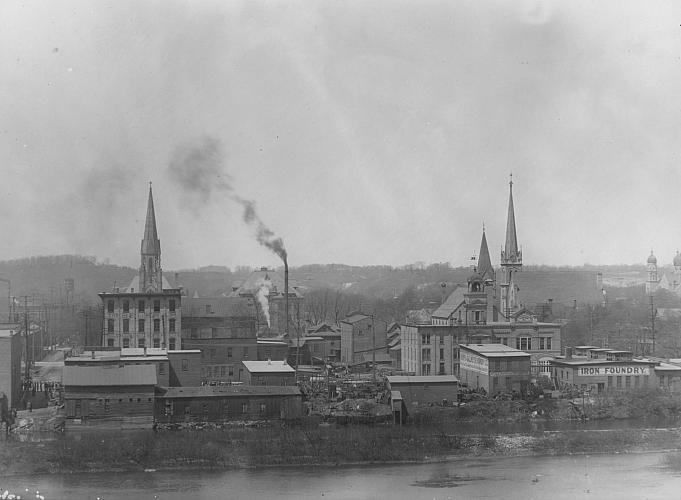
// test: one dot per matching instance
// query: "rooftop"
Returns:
(494, 350)
(108, 375)
(230, 391)
(7, 333)
(422, 379)
(268, 367)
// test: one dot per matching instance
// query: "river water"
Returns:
(621, 476)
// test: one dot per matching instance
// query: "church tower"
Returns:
(511, 262)
(151, 277)
(481, 285)
(651, 282)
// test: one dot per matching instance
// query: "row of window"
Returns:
(141, 305)
(211, 353)
(170, 408)
(218, 371)
(140, 325)
(156, 343)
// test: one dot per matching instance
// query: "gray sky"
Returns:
(366, 132)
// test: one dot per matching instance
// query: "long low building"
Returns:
(225, 403)
(424, 389)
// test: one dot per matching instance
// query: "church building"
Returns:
(146, 313)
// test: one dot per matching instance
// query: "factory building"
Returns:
(494, 368)
(362, 334)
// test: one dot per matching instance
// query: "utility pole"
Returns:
(26, 365)
(373, 349)
(652, 321)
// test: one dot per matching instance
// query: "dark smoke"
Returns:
(199, 170)
(262, 233)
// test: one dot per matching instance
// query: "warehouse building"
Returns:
(494, 368)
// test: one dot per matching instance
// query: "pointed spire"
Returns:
(510, 254)
(150, 243)
(485, 268)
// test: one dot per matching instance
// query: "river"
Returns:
(621, 476)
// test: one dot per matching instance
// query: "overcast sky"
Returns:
(365, 132)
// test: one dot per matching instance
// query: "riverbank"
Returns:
(308, 444)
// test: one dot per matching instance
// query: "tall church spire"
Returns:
(511, 255)
(485, 268)
(511, 262)
(150, 268)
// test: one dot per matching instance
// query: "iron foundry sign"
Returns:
(595, 371)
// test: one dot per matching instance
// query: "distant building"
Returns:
(362, 334)
(494, 368)
(10, 366)
(416, 391)
(670, 282)
(146, 313)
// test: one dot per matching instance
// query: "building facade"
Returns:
(362, 334)
(494, 368)
(148, 312)
(10, 366)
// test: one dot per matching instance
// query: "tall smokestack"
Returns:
(286, 295)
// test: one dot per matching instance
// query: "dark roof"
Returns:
(422, 379)
(450, 305)
(108, 375)
(230, 391)
(220, 307)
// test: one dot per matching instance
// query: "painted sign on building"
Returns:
(595, 371)
(473, 363)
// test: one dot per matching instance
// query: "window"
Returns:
(157, 325)
(171, 305)
(442, 367)
(185, 365)
(126, 306)
(140, 342)
(263, 407)
(231, 371)
(140, 306)
(627, 381)
(541, 343)
(425, 354)
(157, 305)
(110, 342)
(610, 381)
(140, 325)
(209, 310)
(637, 381)
(523, 343)
(171, 343)
(619, 382)
(126, 325)
(244, 407)
(425, 338)
(425, 369)
(110, 306)
(229, 353)
(442, 339)
(477, 317)
(157, 343)
(548, 343)
(171, 325)
(245, 353)
(442, 354)
(110, 325)
(126, 343)
(504, 340)
(161, 368)
(223, 371)
(214, 332)
(107, 406)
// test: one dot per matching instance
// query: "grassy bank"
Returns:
(305, 444)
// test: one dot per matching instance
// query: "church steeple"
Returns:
(150, 268)
(511, 261)
(485, 269)
(511, 255)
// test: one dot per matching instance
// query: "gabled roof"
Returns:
(109, 375)
(268, 367)
(451, 305)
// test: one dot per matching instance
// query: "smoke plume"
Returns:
(199, 170)
(264, 287)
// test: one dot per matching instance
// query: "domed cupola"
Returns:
(677, 261)
(652, 259)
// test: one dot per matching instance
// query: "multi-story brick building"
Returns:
(147, 313)
(494, 367)
(10, 366)
(362, 334)
(223, 328)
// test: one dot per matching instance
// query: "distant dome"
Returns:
(652, 259)
(677, 260)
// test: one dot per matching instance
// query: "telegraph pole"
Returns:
(373, 350)
(26, 365)
(652, 321)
